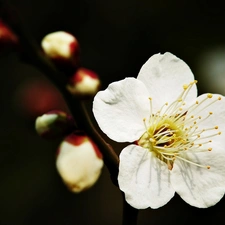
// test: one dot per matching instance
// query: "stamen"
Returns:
(173, 130)
(196, 164)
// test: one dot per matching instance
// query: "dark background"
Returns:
(116, 38)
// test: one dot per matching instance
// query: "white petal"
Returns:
(143, 178)
(121, 108)
(164, 76)
(200, 187)
(215, 120)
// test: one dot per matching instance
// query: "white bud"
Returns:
(61, 46)
(79, 162)
(84, 83)
(54, 124)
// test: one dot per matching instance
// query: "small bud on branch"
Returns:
(79, 162)
(7, 37)
(62, 48)
(84, 83)
(54, 124)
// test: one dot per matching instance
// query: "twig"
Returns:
(33, 52)
(77, 108)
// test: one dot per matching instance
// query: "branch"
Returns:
(33, 52)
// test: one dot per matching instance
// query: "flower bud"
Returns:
(7, 37)
(84, 83)
(61, 47)
(79, 162)
(54, 124)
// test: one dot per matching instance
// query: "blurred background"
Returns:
(116, 38)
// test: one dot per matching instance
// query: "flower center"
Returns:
(173, 130)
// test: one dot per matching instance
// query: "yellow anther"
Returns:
(193, 82)
(216, 127)
(196, 102)
(166, 103)
(209, 95)
(210, 113)
(199, 136)
(199, 145)
(185, 86)
(192, 116)
(199, 117)
(219, 98)
(208, 167)
(210, 149)
(220, 133)
(179, 100)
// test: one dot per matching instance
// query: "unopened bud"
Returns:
(61, 47)
(79, 162)
(7, 37)
(84, 83)
(54, 124)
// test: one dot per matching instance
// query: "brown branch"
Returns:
(32, 51)
(77, 108)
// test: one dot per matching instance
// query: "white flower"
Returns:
(177, 139)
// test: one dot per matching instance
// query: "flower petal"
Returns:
(164, 76)
(121, 108)
(143, 178)
(200, 187)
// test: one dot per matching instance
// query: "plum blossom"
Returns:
(177, 140)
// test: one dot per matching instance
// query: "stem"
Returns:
(130, 214)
